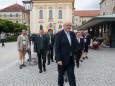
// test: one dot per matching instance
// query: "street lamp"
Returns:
(54, 27)
(28, 4)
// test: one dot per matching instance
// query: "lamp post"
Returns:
(54, 27)
(28, 4)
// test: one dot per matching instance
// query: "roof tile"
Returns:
(86, 13)
(13, 8)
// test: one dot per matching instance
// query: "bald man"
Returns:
(64, 51)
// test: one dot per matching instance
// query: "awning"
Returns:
(97, 20)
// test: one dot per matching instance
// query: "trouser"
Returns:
(2, 40)
(22, 53)
(41, 59)
(50, 54)
(86, 48)
(70, 73)
(29, 53)
(78, 56)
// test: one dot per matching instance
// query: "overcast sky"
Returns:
(79, 4)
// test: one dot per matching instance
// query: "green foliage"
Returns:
(9, 26)
(11, 39)
(19, 27)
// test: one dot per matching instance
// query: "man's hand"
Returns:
(59, 62)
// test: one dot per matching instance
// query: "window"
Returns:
(41, 14)
(50, 14)
(103, 13)
(50, 24)
(10, 15)
(4, 15)
(41, 27)
(114, 10)
(60, 26)
(16, 21)
(60, 14)
(24, 15)
(16, 14)
(76, 19)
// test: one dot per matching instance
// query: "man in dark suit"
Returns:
(40, 46)
(64, 52)
(50, 39)
(79, 47)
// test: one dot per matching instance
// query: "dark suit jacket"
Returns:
(63, 48)
(52, 39)
(79, 46)
(37, 44)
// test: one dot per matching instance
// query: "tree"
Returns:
(9, 26)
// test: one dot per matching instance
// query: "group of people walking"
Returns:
(67, 45)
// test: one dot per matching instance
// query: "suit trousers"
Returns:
(50, 54)
(41, 59)
(70, 74)
(78, 56)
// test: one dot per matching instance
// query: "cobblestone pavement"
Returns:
(98, 70)
(8, 54)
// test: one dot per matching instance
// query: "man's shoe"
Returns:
(44, 69)
(40, 71)
(48, 64)
(81, 60)
(20, 66)
(66, 80)
(77, 66)
(28, 60)
(86, 57)
(23, 65)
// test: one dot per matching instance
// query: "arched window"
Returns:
(50, 24)
(60, 26)
(114, 10)
(60, 14)
(41, 27)
(41, 14)
(50, 14)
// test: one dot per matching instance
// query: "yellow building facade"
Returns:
(50, 14)
(15, 13)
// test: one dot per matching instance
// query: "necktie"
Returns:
(41, 37)
(50, 39)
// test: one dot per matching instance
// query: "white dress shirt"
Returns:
(68, 36)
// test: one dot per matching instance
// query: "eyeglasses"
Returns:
(68, 25)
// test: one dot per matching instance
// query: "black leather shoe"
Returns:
(66, 80)
(20, 66)
(23, 65)
(28, 60)
(44, 69)
(86, 57)
(81, 60)
(77, 66)
(48, 64)
(40, 71)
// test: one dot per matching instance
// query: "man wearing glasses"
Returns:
(64, 51)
